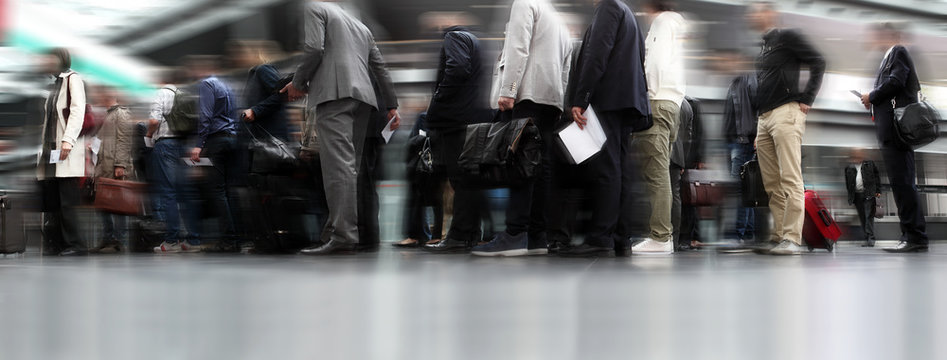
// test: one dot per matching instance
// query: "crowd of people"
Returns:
(202, 154)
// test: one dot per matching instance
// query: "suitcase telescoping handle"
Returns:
(824, 215)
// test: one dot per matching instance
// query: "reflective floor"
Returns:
(853, 304)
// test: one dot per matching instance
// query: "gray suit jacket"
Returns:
(340, 58)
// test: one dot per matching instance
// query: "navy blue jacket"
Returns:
(609, 73)
(459, 98)
(897, 80)
(262, 96)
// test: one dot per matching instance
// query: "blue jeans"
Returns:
(746, 217)
(167, 179)
(114, 227)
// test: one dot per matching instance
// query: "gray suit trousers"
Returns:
(341, 126)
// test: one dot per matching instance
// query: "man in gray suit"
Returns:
(341, 60)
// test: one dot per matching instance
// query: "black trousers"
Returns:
(223, 179)
(865, 206)
(527, 206)
(903, 178)
(470, 207)
(60, 218)
(683, 217)
(368, 232)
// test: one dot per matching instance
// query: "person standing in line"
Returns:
(339, 64)
(114, 162)
(62, 160)
(664, 68)
(783, 109)
(896, 86)
(609, 76)
(529, 81)
(864, 188)
(686, 154)
(740, 123)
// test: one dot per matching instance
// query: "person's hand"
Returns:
(878, 195)
(506, 103)
(305, 156)
(805, 108)
(119, 172)
(292, 92)
(196, 154)
(64, 150)
(577, 116)
(866, 101)
(248, 115)
(393, 113)
(701, 166)
(152, 127)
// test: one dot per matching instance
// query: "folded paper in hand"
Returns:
(387, 131)
(583, 143)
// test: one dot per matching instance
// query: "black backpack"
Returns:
(182, 120)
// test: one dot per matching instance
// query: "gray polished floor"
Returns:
(853, 304)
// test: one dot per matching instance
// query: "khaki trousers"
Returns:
(779, 149)
(654, 145)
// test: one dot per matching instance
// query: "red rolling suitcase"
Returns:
(819, 231)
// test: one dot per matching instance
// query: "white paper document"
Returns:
(54, 156)
(203, 162)
(96, 145)
(387, 131)
(583, 143)
(149, 142)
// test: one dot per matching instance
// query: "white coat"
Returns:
(67, 130)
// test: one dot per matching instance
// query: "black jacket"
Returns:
(784, 51)
(609, 73)
(459, 98)
(897, 80)
(870, 178)
(739, 110)
(687, 150)
(262, 96)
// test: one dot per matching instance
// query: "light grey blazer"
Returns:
(340, 58)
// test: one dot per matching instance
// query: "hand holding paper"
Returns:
(583, 141)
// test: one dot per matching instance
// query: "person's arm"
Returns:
(808, 55)
(519, 35)
(76, 110)
(896, 80)
(385, 86)
(205, 111)
(314, 35)
(269, 79)
(159, 107)
(123, 142)
(595, 53)
(849, 183)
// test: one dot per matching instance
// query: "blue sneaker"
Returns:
(504, 244)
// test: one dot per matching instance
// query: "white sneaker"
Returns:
(649, 246)
(188, 248)
(786, 247)
(168, 248)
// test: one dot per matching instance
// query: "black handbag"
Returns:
(916, 124)
(268, 154)
(501, 154)
(425, 158)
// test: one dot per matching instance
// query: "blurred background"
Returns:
(130, 44)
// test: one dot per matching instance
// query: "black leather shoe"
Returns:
(448, 246)
(51, 250)
(907, 247)
(623, 248)
(586, 250)
(330, 248)
(73, 251)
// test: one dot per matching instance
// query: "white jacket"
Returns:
(664, 57)
(68, 129)
(534, 63)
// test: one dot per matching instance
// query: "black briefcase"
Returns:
(502, 153)
(751, 185)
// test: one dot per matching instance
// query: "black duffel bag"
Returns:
(917, 124)
(270, 155)
(751, 185)
(503, 153)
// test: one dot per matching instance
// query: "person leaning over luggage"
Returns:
(59, 175)
(783, 109)
(897, 85)
(114, 162)
(529, 80)
(339, 62)
(864, 188)
(459, 100)
(664, 68)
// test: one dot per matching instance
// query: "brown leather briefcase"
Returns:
(705, 187)
(119, 196)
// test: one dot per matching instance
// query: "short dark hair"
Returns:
(61, 54)
(661, 5)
